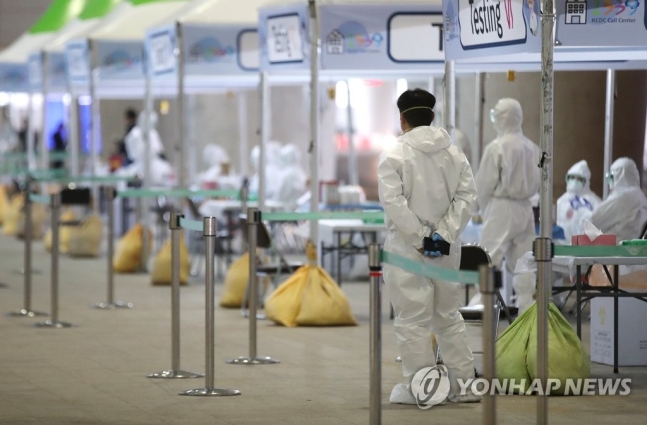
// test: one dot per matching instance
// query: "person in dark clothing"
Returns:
(131, 122)
(60, 145)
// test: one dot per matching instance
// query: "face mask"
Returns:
(574, 186)
(492, 116)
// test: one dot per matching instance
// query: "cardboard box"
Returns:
(600, 240)
(632, 338)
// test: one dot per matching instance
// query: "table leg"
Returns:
(578, 301)
(339, 259)
(616, 286)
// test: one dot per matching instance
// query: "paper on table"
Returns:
(591, 231)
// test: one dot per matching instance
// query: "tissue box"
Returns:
(600, 240)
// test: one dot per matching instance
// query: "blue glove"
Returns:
(435, 254)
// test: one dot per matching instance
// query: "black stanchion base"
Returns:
(27, 313)
(53, 324)
(174, 374)
(210, 392)
(253, 360)
(113, 306)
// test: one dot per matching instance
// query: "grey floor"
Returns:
(95, 372)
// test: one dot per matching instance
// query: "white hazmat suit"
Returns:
(272, 169)
(214, 156)
(161, 172)
(292, 180)
(578, 202)
(507, 179)
(621, 214)
(426, 186)
(461, 140)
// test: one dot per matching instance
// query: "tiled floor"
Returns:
(95, 372)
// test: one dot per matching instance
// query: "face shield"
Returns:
(609, 179)
(492, 115)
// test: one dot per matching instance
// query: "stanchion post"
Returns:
(26, 311)
(375, 338)
(210, 232)
(253, 219)
(110, 194)
(175, 372)
(488, 291)
(55, 205)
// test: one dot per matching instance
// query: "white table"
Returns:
(331, 235)
(568, 265)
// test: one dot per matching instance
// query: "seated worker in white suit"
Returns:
(578, 202)
(292, 180)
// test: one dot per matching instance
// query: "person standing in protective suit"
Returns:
(292, 180)
(623, 212)
(427, 189)
(578, 201)
(506, 180)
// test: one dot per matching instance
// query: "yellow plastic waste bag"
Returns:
(310, 297)
(85, 240)
(236, 278)
(63, 235)
(516, 351)
(12, 215)
(161, 274)
(128, 255)
(4, 203)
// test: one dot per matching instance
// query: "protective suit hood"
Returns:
(508, 116)
(625, 174)
(427, 139)
(581, 169)
(290, 155)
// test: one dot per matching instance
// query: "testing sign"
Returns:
(602, 23)
(491, 27)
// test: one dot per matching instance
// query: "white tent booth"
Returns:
(48, 68)
(209, 48)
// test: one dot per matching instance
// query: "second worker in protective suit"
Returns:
(506, 180)
(578, 202)
(427, 189)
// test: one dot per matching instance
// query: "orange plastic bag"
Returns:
(161, 273)
(63, 233)
(12, 214)
(85, 240)
(128, 255)
(4, 203)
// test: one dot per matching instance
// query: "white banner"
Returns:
(284, 39)
(162, 51)
(490, 23)
(424, 29)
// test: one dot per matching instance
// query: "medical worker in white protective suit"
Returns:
(578, 202)
(461, 140)
(622, 213)
(292, 180)
(161, 172)
(507, 179)
(272, 169)
(219, 174)
(427, 190)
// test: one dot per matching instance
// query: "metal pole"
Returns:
(181, 113)
(375, 273)
(608, 125)
(543, 245)
(449, 94)
(314, 119)
(31, 141)
(210, 232)
(111, 304)
(253, 220)
(95, 121)
(431, 85)
(43, 132)
(265, 138)
(144, 211)
(478, 125)
(243, 149)
(353, 178)
(26, 311)
(175, 372)
(489, 353)
(73, 131)
(55, 205)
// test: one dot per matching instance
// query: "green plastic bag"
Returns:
(516, 351)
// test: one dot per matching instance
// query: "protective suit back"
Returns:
(507, 179)
(272, 169)
(292, 180)
(621, 213)
(578, 202)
